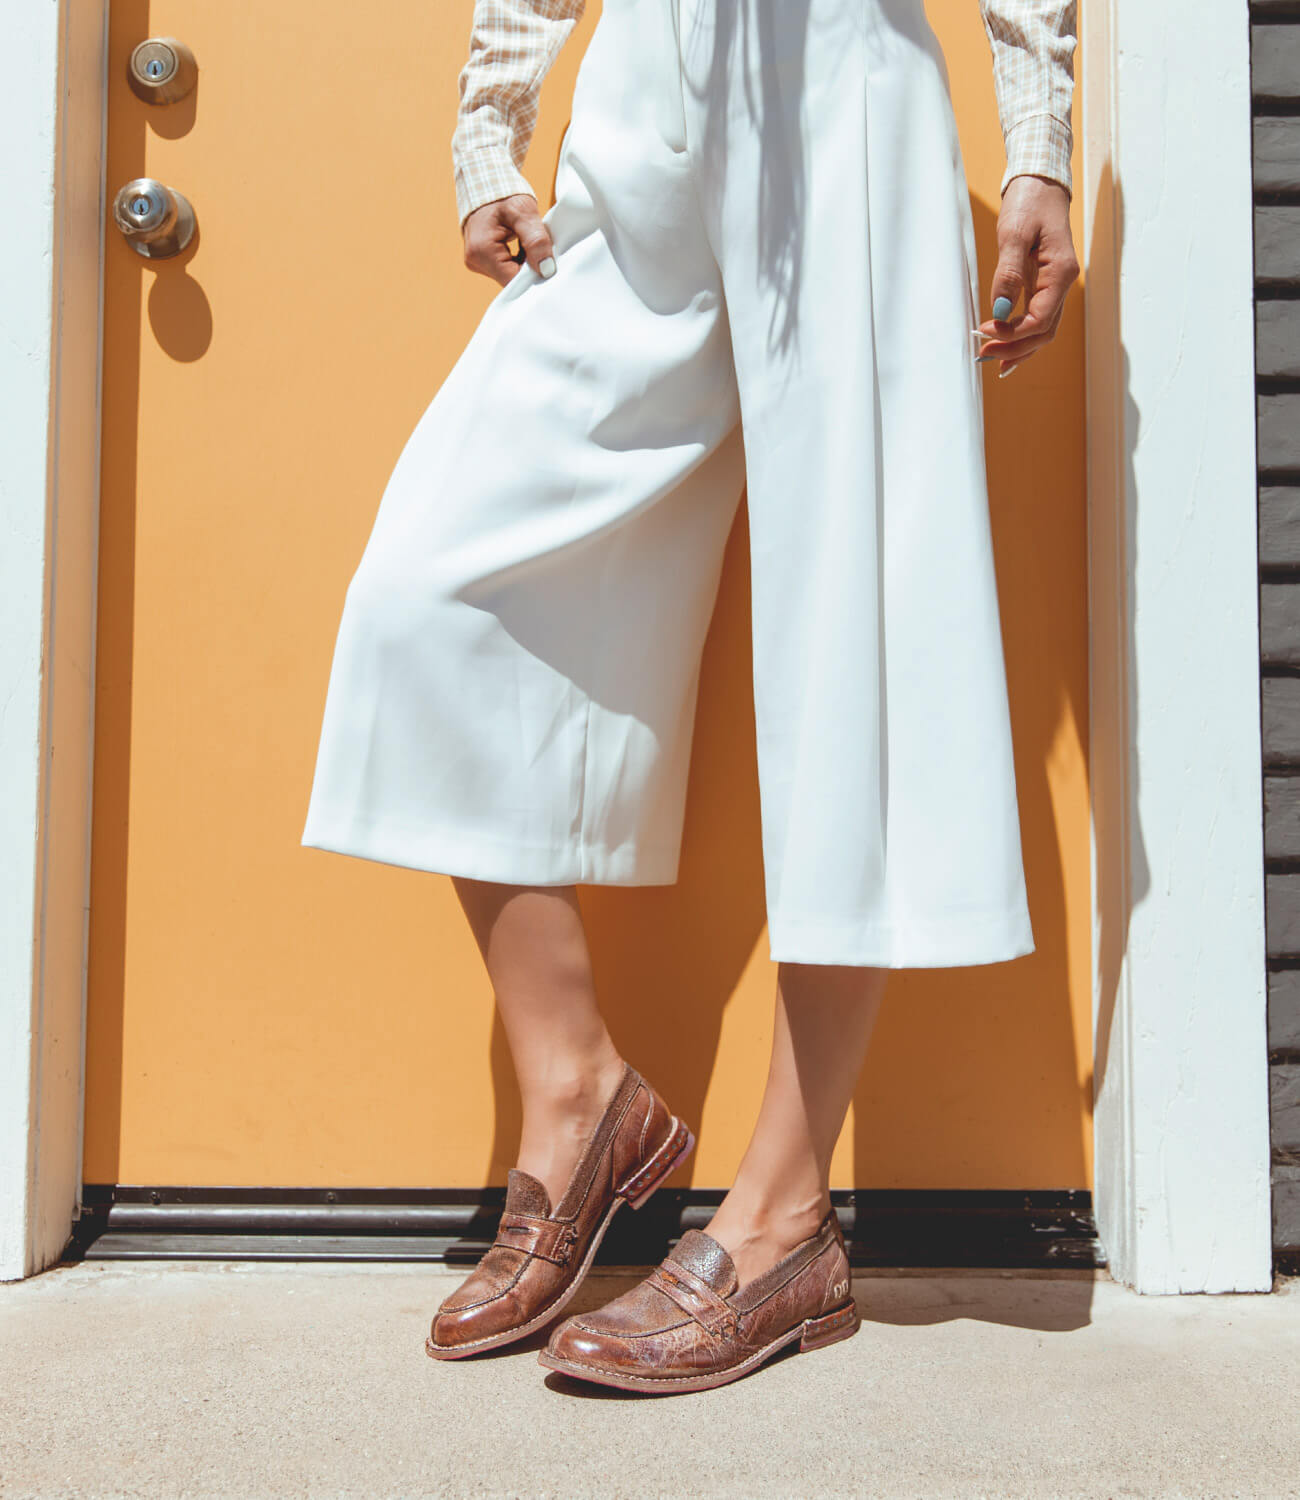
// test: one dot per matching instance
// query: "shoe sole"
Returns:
(813, 1333)
(540, 1320)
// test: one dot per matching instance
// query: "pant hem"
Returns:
(481, 856)
(935, 943)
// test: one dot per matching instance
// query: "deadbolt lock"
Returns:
(156, 221)
(162, 70)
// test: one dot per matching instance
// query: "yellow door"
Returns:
(266, 1014)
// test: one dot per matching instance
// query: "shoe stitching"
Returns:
(781, 1286)
(645, 1124)
(641, 1333)
(497, 1295)
(757, 1358)
(647, 1167)
(714, 1313)
(514, 1281)
(564, 1248)
(504, 1335)
(594, 1166)
(569, 1219)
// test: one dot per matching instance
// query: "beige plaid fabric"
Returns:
(514, 42)
(1033, 44)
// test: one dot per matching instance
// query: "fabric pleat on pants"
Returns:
(766, 275)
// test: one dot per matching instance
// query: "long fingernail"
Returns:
(981, 358)
(1010, 370)
(1001, 308)
(547, 268)
(982, 334)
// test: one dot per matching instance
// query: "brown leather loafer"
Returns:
(689, 1327)
(539, 1257)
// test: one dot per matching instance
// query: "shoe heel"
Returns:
(843, 1323)
(679, 1146)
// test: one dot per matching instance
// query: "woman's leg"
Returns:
(824, 1020)
(535, 948)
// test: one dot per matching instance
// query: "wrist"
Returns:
(1039, 145)
(484, 176)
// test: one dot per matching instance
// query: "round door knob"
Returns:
(162, 70)
(155, 220)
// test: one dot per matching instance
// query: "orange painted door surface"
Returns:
(266, 1014)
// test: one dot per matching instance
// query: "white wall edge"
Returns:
(1182, 1191)
(53, 125)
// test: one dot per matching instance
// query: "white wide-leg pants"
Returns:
(766, 270)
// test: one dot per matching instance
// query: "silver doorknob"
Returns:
(156, 221)
(162, 70)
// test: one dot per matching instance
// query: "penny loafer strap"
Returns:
(548, 1239)
(695, 1297)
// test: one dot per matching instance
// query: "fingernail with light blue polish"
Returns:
(1002, 309)
(547, 268)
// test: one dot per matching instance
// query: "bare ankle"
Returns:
(759, 1228)
(573, 1085)
(562, 1106)
(790, 1222)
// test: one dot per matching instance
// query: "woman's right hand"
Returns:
(489, 228)
(1035, 257)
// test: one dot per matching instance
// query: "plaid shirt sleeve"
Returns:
(514, 42)
(512, 46)
(1033, 44)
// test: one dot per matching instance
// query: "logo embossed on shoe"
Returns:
(840, 1289)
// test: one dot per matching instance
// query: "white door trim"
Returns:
(1181, 1064)
(53, 125)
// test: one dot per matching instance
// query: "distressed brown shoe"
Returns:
(689, 1327)
(539, 1257)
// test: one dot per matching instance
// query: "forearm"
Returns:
(1033, 44)
(512, 46)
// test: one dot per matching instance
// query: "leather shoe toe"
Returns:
(582, 1345)
(455, 1326)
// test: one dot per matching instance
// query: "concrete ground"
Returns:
(198, 1378)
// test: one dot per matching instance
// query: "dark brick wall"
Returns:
(1275, 87)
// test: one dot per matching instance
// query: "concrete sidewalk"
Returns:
(199, 1378)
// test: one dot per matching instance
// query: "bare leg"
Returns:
(535, 948)
(824, 1019)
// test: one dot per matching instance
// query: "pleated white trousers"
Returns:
(766, 270)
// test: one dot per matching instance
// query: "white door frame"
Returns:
(52, 126)
(1182, 1165)
(1181, 1178)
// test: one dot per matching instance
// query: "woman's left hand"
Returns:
(1035, 256)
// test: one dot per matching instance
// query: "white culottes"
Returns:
(766, 270)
